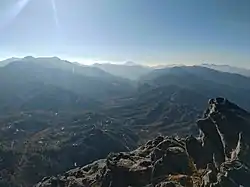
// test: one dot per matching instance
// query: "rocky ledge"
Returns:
(219, 157)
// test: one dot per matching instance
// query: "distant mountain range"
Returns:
(128, 70)
(134, 71)
(227, 68)
(56, 115)
(27, 80)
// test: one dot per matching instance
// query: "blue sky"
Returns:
(144, 31)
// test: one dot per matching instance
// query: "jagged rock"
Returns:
(237, 172)
(241, 152)
(52, 182)
(169, 142)
(173, 162)
(163, 146)
(129, 170)
(196, 151)
(210, 177)
(158, 140)
(157, 154)
(212, 142)
(168, 184)
(230, 121)
(224, 181)
(218, 158)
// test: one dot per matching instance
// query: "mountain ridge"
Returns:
(227, 68)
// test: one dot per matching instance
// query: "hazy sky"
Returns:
(144, 31)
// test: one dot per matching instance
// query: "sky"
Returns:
(144, 31)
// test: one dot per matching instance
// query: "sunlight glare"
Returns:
(11, 14)
(53, 3)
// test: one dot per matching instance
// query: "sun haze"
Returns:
(145, 31)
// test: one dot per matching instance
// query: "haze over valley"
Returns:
(62, 115)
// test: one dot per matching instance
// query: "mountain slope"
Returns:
(8, 61)
(205, 81)
(35, 145)
(203, 73)
(38, 96)
(38, 79)
(164, 110)
(229, 69)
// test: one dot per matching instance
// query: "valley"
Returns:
(56, 115)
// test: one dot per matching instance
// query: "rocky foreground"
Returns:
(219, 157)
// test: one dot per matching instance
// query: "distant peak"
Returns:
(28, 57)
(130, 63)
(218, 65)
(54, 58)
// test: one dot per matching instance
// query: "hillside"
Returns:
(35, 83)
(229, 69)
(164, 110)
(35, 145)
(218, 157)
(205, 81)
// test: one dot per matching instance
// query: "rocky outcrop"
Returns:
(219, 157)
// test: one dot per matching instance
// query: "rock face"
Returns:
(219, 157)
